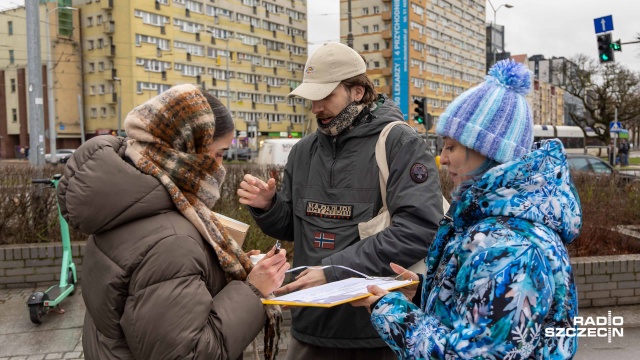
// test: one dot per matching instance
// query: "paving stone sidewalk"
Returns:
(59, 337)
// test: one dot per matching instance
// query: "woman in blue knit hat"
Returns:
(499, 283)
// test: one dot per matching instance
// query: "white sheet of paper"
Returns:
(338, 291)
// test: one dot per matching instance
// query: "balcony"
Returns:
(386, 71)
(386, 34)
(109, 51)
(112, 98)
(386, 16)
(109, 27)
(386, 53)
(384, 90)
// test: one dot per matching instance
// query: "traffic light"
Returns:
(605, 50)
(429, 123)
(419, 116)
(616, 45)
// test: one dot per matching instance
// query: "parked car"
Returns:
(598, 167)
(62, 155)
(242, 154)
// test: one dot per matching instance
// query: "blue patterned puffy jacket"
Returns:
(498, 272)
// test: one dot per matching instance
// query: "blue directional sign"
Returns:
(603, 24)
(615, 127)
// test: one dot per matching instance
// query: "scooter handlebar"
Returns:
(40, 181)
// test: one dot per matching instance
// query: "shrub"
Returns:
(28, 213)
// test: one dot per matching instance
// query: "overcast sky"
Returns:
(547, 27)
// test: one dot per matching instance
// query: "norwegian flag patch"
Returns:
(323, 240)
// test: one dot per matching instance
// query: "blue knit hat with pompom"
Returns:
(493, 118)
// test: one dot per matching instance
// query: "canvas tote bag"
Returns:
(383, 219)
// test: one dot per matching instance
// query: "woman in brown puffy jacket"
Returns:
(161, 278)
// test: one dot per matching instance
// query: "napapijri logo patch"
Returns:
(330, 211)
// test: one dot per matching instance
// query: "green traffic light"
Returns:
(616, 46)
(419, 120)
(604, 57)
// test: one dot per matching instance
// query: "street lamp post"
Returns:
(495, 11)
(50, 99)
(117, 79)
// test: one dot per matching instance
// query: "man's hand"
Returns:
(257, 193)
(310, 277)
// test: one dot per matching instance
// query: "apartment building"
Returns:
(546, 97)
(248, 53)
(439, 50)
(66, 75)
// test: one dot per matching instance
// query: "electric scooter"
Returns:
(41, 302)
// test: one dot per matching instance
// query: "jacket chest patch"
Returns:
(330, 211)
(419, 173)
(323, 240)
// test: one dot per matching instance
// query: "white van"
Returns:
(275, 151)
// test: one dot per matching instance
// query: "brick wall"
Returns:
(607, 280)
(35, 265)
(601, 280)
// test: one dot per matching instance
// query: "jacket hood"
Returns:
(100, 190)
(537, 187)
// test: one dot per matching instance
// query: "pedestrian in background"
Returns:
(498, 274)
(161, 277)
(330, 185)
(624, 152)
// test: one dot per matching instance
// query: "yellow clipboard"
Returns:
(336, 293)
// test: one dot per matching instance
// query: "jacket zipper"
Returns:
(334, 141)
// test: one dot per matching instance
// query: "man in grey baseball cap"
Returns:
(330, 185)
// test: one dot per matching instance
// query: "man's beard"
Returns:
(342, 121)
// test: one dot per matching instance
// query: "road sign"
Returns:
(603, 24)
(615, 127)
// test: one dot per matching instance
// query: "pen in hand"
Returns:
(278, 245)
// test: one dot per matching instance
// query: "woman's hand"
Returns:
(408, 291)
(257, 193)
(269, 273)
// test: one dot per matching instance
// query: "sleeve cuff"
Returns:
(254, 289)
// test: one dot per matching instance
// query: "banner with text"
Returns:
(400, 35)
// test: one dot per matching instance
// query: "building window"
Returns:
(365, 47)
(376, 64)
(89, 21)
(376, 28)
(100, 43)
(94, 112)
(90, 44)
(92, 90)
(376, 46)
(14, 115)
(376, 82)
(376, 10)
(365, 29)
(10, 23)
(365, 11)
(103, 111)
(13, 85)
(99, 20)
(101, 66)
(11, 59)
(92, 67)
